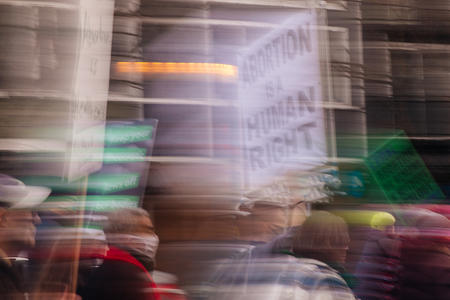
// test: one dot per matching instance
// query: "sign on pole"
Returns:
(90, 89)
(401, 173)
(280, 93)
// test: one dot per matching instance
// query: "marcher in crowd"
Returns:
(124, 273)
(425, 258)
(305, 273)
(132, 230)
(324, 237)
(17, 232)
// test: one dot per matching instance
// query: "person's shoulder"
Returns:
(328, 283)
(160, 277)
(314, 262)
(118, 263)
(326, 278)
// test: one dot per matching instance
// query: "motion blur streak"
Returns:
(224, 149)
(177, 68)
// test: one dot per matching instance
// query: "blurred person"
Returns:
(374, 253)
(17, 232)
(305, 273)
(62, 244)
(324, 237)
(425, 256)
(282, 243)
(372, 259)
(125, 271)
(132, 230)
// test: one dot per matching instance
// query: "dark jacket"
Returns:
(120, 276)
(10, 282)
(426, 271)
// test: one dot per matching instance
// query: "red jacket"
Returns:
(121, 276)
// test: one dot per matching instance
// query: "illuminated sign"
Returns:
(177, 68)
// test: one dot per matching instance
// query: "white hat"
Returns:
(16, 194)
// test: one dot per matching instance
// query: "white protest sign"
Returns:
(280, 92)
(91, 83)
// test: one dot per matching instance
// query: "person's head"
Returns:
(132, 230)
(17, 220)
(131, 220)
(323, 236)
(17, 229)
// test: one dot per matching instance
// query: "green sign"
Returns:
(123, 155)
(92, 202)
(97, 183)
(400, 171)
(112, 183)
(127, 134)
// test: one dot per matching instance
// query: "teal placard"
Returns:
(93, 202)
(127, 134)
(400, 172)
(55, 183)
(97, 183)
(112, 183)
(123, 155)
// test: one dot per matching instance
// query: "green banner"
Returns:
(400, 172)
(97, 183)
(123, 155)
(92, 202)
(127, 134)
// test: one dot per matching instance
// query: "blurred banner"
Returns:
(280, 92)
(121, 182)
(91, 84)
(55, 63)
(400, 171)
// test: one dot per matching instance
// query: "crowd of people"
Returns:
(405, 258)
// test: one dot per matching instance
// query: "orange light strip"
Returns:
(177, 68)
